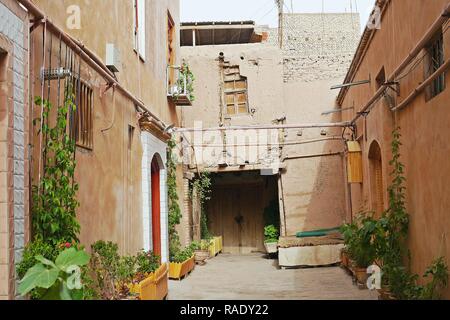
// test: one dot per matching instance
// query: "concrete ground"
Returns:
(253, 277)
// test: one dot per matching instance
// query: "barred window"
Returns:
(83, 117)
(434, 61)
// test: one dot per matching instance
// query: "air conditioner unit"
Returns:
(112, 57)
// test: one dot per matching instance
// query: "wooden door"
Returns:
(236, 213)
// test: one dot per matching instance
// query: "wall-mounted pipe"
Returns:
(443, 17)
(423, 85)
(98, 66)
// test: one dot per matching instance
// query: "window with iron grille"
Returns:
(235, 91)
(82, 118)
(434, 61)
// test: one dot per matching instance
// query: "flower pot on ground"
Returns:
(271, 234)
(182, 263)
(178, 270)
(358, 238)
(361, 275)
(155, 286)
(215, 246)
(271, 247)
(201, 251)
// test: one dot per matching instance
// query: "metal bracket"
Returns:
(55, 74)
(394, 85)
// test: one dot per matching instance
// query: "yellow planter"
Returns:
(179, 270)
(154, 287)
(216, 246)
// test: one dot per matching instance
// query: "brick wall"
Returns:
(319, 46)
(13, 141)
(316, 46)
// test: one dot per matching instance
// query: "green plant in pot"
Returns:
(271, 235)
(201, 251)
(359, 237)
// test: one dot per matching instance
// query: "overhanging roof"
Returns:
(218, 32)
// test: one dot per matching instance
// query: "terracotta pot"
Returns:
(345, 259)
(361, 275)
(201, 256)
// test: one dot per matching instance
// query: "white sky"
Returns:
(264, 12)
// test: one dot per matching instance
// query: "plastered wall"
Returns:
(424, 128)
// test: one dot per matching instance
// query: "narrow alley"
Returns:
(253, 277)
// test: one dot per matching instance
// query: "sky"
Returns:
(264, 12)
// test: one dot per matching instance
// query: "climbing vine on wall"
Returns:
(202, 187)
(54, 198)
(174, 208)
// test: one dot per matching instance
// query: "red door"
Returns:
(156, 208)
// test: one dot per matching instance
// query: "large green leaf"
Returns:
(71, 257)
(45, 261)
(38, 276)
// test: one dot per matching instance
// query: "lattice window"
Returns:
(235, 91)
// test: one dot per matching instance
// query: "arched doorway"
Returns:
(376, 179)
(156, 205)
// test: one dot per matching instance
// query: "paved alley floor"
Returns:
(253, 277)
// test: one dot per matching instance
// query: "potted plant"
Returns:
(201, 251)
(271, 239)
(182, 263)
(359, 239)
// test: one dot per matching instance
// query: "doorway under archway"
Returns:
(156, 205)
(376, 179)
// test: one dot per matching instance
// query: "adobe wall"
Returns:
(424, 128)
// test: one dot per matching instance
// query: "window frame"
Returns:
(435, 58)
(139, 33)
(84, 100)
(235, 92)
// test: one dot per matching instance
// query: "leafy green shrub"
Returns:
(183, 255)
(271, 234)
(33, 249)
(104, 268)
(359, 239)
(147, 262)
(200, 245)
(60, 279)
